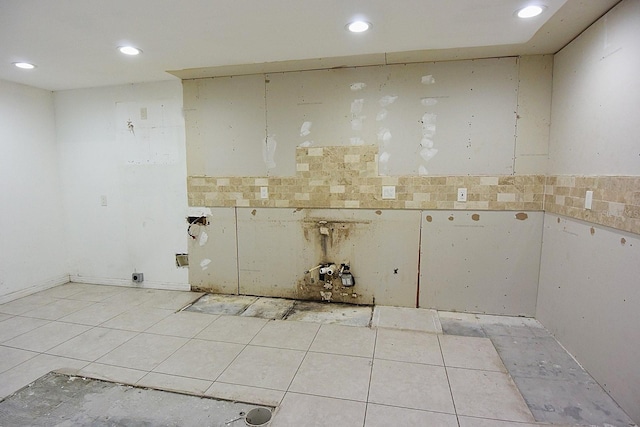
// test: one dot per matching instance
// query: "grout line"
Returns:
(373, 358)
(446, 372)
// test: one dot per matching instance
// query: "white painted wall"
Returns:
(140, 174)
(32, 240)
(588, 293)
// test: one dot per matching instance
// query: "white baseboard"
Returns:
(41, 286)
(129, 284)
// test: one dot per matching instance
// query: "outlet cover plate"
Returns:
(388, 191)
(264, 192)
(462, 194)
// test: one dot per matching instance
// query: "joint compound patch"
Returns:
(384, 136)
(428, 80)
(387, 100)
(356, 106)
(305, 129)
(428, 102)
(356, 140)
(428, 125)
(306, 144)
(204, 264)
(269, 151)
(356, 123)
(384, 157)
(426, 143)
(357, 86)
(428, 153)
(382, 114)
(422, 171)
(203, 238)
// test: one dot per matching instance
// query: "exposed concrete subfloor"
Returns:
(61, 400)
(410, 367)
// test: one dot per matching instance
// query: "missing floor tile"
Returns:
(59, 399)
(283, 309)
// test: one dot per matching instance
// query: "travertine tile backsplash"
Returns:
(616, 199)
(347, 177)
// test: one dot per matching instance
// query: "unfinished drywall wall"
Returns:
(225, 126)
(589, 297)
(122, 162)
(443, 118)
(535, 75)
(595, 98)
(213, 251)
(32, 242)
(481, 262)
(277, 246)
(588, 291)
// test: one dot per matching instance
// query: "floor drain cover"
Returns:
(258, 417)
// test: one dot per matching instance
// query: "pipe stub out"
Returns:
(258, 417)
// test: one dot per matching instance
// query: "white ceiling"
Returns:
(73, 42)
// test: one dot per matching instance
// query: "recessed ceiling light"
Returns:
(358, 26)
(24, 65)
(530, 11)
(130, 50)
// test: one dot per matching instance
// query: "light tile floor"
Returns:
(316, 374)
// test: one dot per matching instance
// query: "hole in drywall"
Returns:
(201, 220)
(475, 217)
(182, 260)
(521, 216)
(429, 218)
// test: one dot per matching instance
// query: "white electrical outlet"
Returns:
(264, 192)
(388, 191)
(462, 194)
(588, 199)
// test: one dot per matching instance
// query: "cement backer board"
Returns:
(589, 298)
(276, 246)
(213, 264)
(483, 262)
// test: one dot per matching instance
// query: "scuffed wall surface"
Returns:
(589, 297)
(444, 118)
(32, 242)
(122, 166)
(483, 262)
